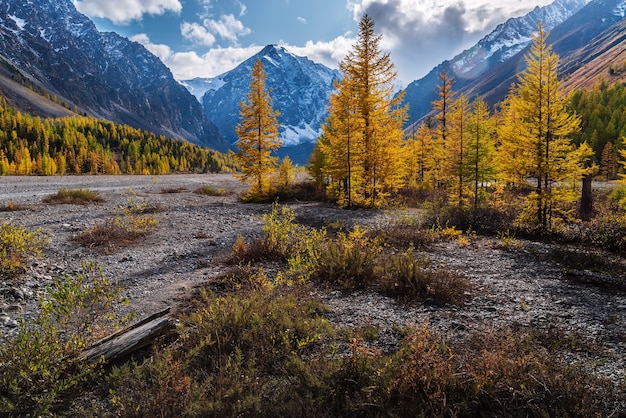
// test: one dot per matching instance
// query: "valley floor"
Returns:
(516, 284)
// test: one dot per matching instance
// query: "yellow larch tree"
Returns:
(545, 125)
(454, 150)
(366, 111)
(342, 144)
(419, 147)
(258, 134)
(481, 161)
(443, 108)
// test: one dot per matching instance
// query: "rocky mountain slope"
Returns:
(105, 75)
(300, 90)
(489, 68)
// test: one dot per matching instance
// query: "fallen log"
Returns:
(131, 339)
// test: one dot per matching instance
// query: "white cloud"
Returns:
(164, 52)
(302, 20)
(327, 53)
(197, 33)
(125, 11)
(187, 65)
(228, 27)
(243, 9)
(434, 30)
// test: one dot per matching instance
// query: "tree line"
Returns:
(32, 145)
(534, 142)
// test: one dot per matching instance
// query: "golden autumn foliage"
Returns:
(85, 145)
(258, 134)
(362, 141)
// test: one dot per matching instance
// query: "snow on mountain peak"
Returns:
(511, 37)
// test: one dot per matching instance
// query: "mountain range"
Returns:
(300, 91)
(51, 47)
(49, 50)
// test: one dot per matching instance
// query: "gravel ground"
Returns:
(511, 287)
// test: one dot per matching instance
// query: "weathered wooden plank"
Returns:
(131, 338)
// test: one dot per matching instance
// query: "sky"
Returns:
(205, 38)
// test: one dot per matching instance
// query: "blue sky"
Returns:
(204, 38)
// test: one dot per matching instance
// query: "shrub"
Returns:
(348, 261)
(123, 229)
(17, 245)
(501, 373)
(283, 240)
(412, 277)
(209, 190)
(236, 356)
(74, 196)
(173, 190)
(41, 369)
(11, 206)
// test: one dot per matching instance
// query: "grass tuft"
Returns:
(73, 197)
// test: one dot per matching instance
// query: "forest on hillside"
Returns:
(85, 145)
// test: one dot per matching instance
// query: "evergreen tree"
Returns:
(258, 133)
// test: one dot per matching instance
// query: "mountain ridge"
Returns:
(100, 73)
(300, 90)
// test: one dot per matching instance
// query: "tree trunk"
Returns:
(586, 199)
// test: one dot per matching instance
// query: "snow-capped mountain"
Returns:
(300, 91)
(101, 74)
(497, 48)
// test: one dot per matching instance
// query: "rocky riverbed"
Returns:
(515, 284)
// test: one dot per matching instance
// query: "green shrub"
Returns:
(74, 196)
(17, 245)
(41, 369)
(232, 359)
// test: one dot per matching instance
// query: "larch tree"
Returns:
(258, 133)
(545, 124)
(365, 111)
(443, 108)
(419, 146)
(481, 162)
(342, 144)
(454, 149)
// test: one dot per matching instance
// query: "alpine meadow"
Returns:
(463, 259)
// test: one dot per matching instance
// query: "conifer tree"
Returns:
(443, 108)
(481, 161)
(343, 144)
(258, 133)
(544, 125)
(444, 104)
(363, 132)
(419, 146)
(454, 150)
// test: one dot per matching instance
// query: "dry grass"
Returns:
(73, 197)
(173, 190)
(11, 206)
(208, 190)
